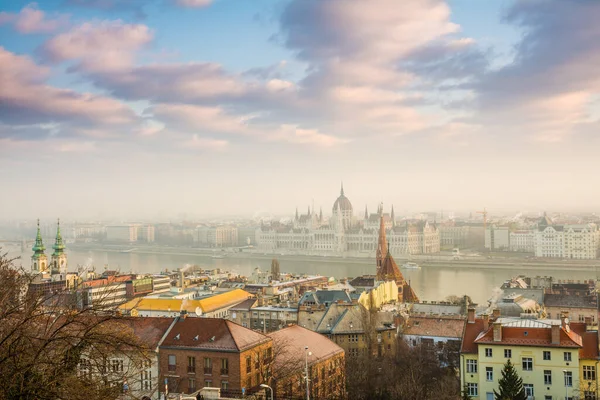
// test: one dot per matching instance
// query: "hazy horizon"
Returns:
(131, 110)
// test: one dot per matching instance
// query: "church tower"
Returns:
(382, 246)
(59, 257)
(39, 261)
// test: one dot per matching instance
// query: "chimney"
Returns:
(471, 315)
(564, 319)
(497, 326)
(588, 321)
(496, 314)
(486, 321)
(181, 279)
(555, 334)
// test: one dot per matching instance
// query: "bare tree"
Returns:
(52, 349)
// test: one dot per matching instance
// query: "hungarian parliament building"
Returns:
(345, 233)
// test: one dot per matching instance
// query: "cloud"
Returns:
(99, 45)
(546, 92)
(192, 3)
(25, 98)
(33, 20)
(200, 143)
(136, 7)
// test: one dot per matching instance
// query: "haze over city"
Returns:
(153, 109)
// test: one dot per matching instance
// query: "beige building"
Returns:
(522, 240)
(217, 236)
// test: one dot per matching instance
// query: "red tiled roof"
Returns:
(212, 334)
(290, 342)
(472, 330)
(590, 341)
(435, 326)
(148, 330)
(531, 336)
(108, 280)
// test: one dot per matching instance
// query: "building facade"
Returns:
(207, 352)
(555, 358)
(580, 241)
(345, 233)
(523, 241)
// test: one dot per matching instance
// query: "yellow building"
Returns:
(211, 307)
(555, 358)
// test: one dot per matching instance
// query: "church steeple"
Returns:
(59, 258)
(382, 247)
(59, 247)
(39, 261)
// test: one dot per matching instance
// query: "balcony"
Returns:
(207, 371)
(191, 369)
(224, 371)
(172, 368)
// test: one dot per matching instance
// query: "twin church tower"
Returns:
(39, 260)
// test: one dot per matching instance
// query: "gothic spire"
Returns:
(393, 217)
(366, 212)
(342, 189)
(321, 214)
(59, 246)
(296, 213)
(382, 248)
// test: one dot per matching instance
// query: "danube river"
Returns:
(430, 282)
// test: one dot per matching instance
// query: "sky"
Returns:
(157, 108)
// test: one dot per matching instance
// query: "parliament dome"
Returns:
(343, 202)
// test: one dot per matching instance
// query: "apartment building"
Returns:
(555, 358)
(210, 352)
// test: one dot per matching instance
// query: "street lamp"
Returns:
(265, 386)
(566, 387)
(306, 354)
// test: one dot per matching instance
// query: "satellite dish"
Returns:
(198, 311)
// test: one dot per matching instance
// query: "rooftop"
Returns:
(292, 341)
(212, 334)
(435, 326)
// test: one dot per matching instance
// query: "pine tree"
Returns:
(465, 394)
(510, 385)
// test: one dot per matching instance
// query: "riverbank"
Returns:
(424, 261)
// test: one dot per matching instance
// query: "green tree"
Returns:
(465, 394)
(510, 385)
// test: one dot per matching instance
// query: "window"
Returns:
(172, 362)
(547, 355)
(117, 365)
(208, 383)
(547, 377)
(568, 379)
(85, 368)
(567, 356)
(488, 352)
(224, 385)
(507, 353)
(489, 374)
(248, 365)
(256, 362)
(191, 385)
(588, 395)
(472, 389)
(191, 365)
(207, 365)
(528, 390)
(547, 397)
(527, 364)
(224, 366)
(589, 372)
(471, 366)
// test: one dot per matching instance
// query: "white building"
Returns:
(217, 236)
(522, 240)
(497, 238)
(122, 233)
(130, 233)
(344, 233)
(566, 241)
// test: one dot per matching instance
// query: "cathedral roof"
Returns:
(342, 202)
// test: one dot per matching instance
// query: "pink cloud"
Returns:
(105, 45)
(192, 3)
(33, 20)
(26, 99)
